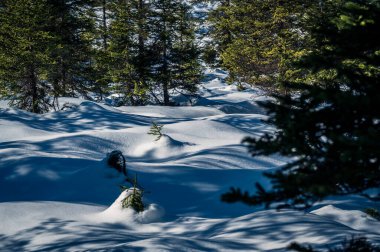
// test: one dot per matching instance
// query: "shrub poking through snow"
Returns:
(374, 213)
(134, 199)
(155, 130)
(116, 160)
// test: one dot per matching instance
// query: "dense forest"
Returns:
(146, 49)
(70, 48)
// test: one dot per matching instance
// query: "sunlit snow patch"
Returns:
(117, 214)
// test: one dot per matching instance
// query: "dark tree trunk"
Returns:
(141, 47)
(34, 91)
(104, 19)
(165, 70)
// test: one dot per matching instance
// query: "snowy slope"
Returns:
(57, 194)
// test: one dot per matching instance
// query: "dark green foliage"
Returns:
(127, 52)
(174, 52)
(256, 40)
(24, 53)
(373, 212)
(45, 51)
(101, 56)
(209, 55)
(300, 248)
(71, 27)
(331, 130)
(355, 244)
(155, 130)
(52, 48)
(134, 199)
(116, 160)
(221, 32)
(152, 49)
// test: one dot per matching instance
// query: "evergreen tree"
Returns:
(331, 130)
(174, 50)
(25, 43)
(101, 55)
(186, 66)
(72, 25)
(220, 30)
(257, 39)
(128, 49)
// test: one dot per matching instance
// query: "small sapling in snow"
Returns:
(155, 130)
(134, 198)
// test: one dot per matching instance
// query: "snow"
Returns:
(57, 193)
(116, 214)
(354, 219)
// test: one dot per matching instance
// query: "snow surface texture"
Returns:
(57, 194)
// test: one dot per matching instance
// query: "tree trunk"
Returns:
(33, 87)
(141, 47)
(104, 19)
(165, 70)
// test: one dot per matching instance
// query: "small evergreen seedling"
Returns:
(134, 200)
(155, 130)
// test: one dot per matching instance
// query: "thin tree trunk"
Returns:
(33, 86)
(105, 29)
(141, 43)
(165, 84)
(165, 70)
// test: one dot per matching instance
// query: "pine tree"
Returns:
(257, 39)
(331, 130)
(128, 49)
(134, 198)
(155, 130)
(101, 55)
(220, 31)
(25, 43)
(186, 66)
(72, 26)
(174, 50)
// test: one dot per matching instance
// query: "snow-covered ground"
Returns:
(57, 193)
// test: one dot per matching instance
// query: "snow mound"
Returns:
(172, 112)
(354, 219)
(88, 106)
(164, 147)
(19, 216)
(207, 130)
(117, 214)
(240, 108)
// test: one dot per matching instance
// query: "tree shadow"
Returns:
(88, 116)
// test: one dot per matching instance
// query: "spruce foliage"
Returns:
(71, 27)
(155, 130)
(134, 199)
(174, 50)
(257, 40)
(25, 44)
(140, 49)
(128, 60)
(331, 130)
